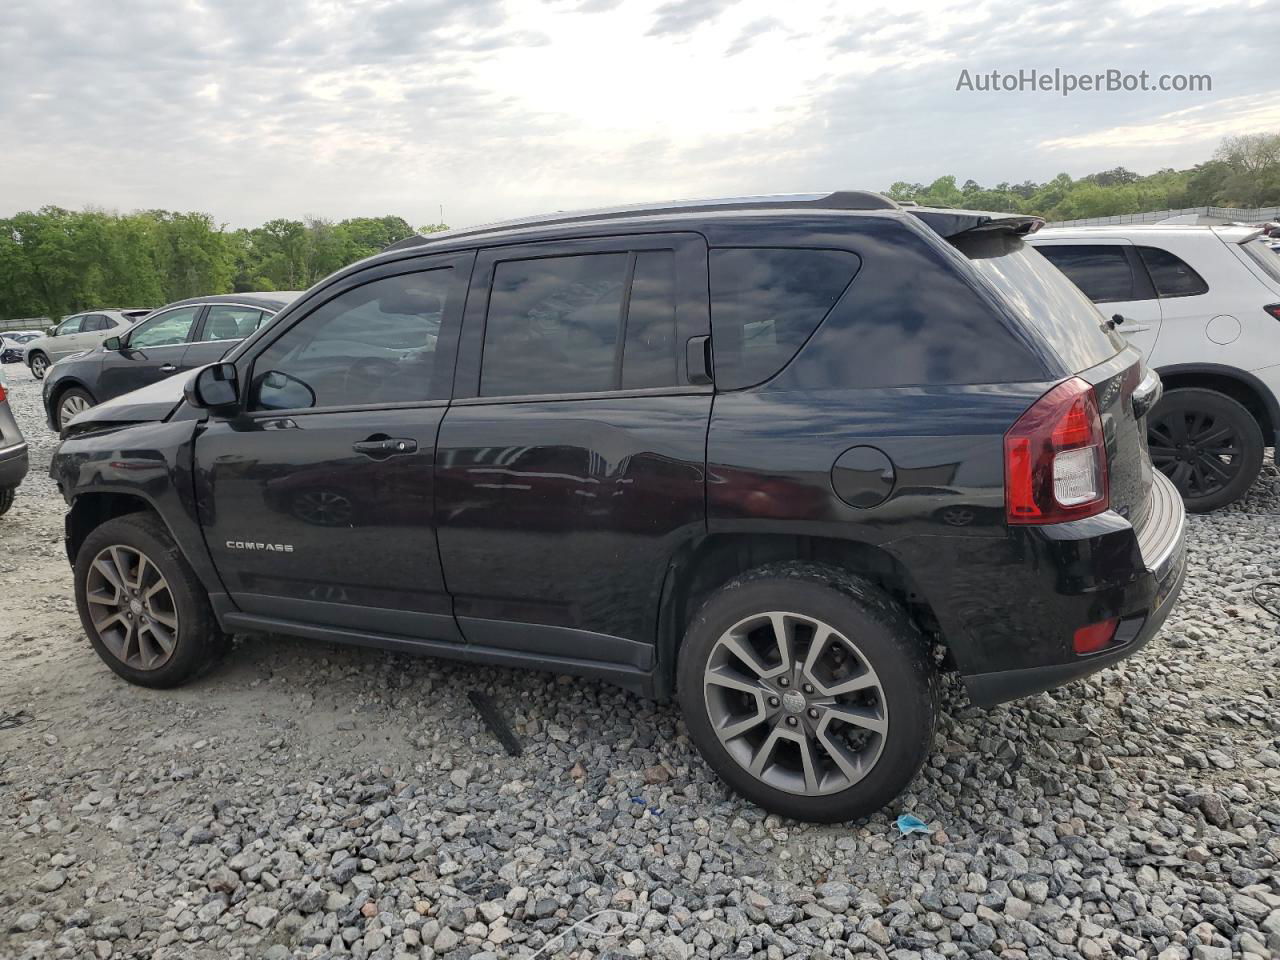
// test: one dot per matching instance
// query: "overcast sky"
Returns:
(254, 109)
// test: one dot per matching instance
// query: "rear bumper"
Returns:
(1143, 603)
(14, 463)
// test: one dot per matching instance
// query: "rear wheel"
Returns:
(1207, 444)
(39, 365)
(142, 606)
(808, 691)
(6, 499)
(71, 402)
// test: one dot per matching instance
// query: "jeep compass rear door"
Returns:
(570, 470)
(318, 499)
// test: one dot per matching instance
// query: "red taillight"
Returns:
(1095, 636)
(1273, 309)
(2, 393)
(1055, 458)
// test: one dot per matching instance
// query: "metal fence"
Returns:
(1225, 214)
(26, 323)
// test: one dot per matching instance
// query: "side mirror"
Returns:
(215, 388)
(112, 343)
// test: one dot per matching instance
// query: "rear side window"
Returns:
(1101, 271)
(765, 303)
(230, 323)
(1044, 298)
(1171, 274)
(581, 324)
(94, 323)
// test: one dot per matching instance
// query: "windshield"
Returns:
(1042, 294)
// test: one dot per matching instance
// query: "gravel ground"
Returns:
(304, 800)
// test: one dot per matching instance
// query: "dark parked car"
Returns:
(13, 452)
(180, 336)
(783, 458)
(13, 345)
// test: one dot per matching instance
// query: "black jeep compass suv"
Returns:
(783, 458)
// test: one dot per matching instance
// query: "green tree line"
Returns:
(55, 261)
(1244, 172)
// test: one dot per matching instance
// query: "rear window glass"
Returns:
(1102, 271)
(1045, 298)
(1172, 276)
(1264, 256)
(765, 303)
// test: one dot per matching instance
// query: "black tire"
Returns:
(1208, 444)
(198, 641)
(885, 639)
(6, 499)
(62, 398)
(38, 363)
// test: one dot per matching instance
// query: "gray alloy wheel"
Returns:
(132, 607)
(795, 703)
(71, 404)
(39, 365)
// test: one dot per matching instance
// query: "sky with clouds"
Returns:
(254, 109)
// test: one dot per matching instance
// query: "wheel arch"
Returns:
(705, 566)
(65, 384)
(91, 510)
(1240, 385)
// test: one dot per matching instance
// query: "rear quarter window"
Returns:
(765, 303)
(1171, 275)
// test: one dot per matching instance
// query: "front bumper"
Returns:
(1143, 606)
(14, 463)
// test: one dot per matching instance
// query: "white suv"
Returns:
(1203, 305)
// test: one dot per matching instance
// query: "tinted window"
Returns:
(229, 323)
(1102, 272)
(165, 330)
(373, 344)
(1171, 275)
(649, 350)
(765, 303)
(553, 325)
(95, 322)
(1044, 298)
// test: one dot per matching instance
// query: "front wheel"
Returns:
(39, 365)
(6, 499)
(70, 403)
(142, 606)
(808, 691)
(1207, 444)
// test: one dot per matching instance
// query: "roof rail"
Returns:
(838, 200)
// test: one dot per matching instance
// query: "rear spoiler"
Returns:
(952, 223)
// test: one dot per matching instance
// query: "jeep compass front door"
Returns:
(318, 499)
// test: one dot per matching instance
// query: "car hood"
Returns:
(154, 403)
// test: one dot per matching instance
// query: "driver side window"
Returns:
(372, 344)
(165, 330)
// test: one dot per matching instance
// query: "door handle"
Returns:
(168, 368)
(380, 447)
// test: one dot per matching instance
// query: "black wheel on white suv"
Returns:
(809, 691)
(141, 604)
(39, 365)
(1207, 444)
